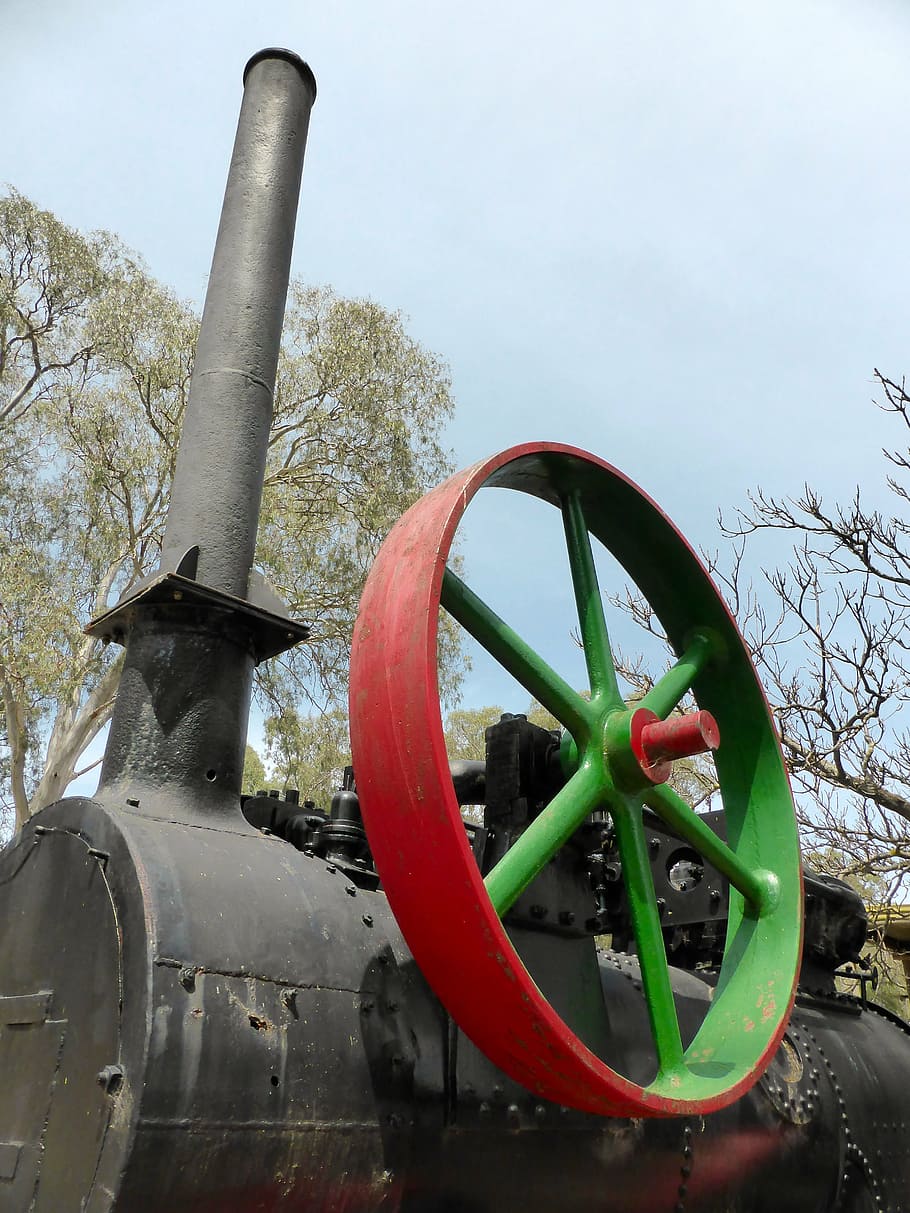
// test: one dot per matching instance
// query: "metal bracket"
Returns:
(270, 633)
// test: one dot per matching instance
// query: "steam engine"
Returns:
(219, 1005)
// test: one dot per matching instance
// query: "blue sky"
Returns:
(672, 234)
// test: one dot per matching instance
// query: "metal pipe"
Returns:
(178, 730)
(221, 459)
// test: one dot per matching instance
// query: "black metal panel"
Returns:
(59, 1018)
(279, 1050)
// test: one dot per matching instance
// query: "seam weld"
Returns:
(230, 370)
(168, 962)
(195, 825)
(186, 1125)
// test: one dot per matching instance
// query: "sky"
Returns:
(672, 234)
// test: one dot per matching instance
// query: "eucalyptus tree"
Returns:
(95, 362)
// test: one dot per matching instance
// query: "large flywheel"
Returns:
(617, 758)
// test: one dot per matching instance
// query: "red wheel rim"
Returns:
(414, 821)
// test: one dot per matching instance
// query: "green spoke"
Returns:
(517, 657)
(533, 850)
(594, 636)
(652, 956)
(757, 886)
(667, 692)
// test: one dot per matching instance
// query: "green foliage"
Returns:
(464, 731)
(538, 714)
(253, 773)
(464, 727)
(84, 335)
(50, 279)
(308, 752)
(95, 362)
(358, 411)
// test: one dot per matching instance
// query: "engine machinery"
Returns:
(210, 1005)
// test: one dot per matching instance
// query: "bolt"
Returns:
(350, 890)
(538, 911)
(367, 920)
(188, 979)
(110, 1079)
(566, 918)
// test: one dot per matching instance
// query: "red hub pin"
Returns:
(657, 743)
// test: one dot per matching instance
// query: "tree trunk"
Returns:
(16, 734)
(67, 745)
